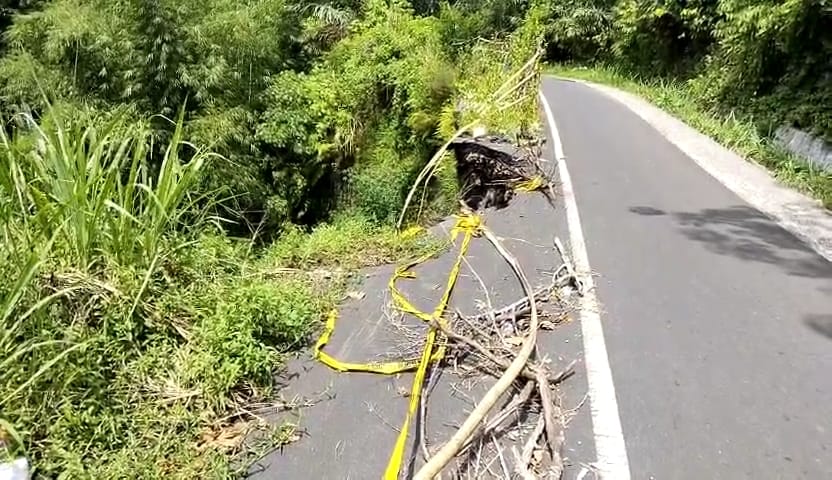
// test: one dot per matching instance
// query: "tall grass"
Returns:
(98, 189)
(15, 347)
(133, 330)
(86, 213)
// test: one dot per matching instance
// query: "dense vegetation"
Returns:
(735, 69)
(770, 59)
(182, 188)
(183, 183)
(767, 58)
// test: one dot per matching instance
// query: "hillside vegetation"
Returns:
(185, 186)
(770, 59)
(734, 69)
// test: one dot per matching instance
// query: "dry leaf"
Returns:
(547, 325)
(514, 341)
(223, 438)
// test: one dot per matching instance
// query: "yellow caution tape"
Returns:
(531, 185)
(469, 226)
(384, 368)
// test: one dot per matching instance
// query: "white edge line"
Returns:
(612, 462)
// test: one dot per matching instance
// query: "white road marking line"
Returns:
(610, 450)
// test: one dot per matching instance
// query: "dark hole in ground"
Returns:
(489, 168)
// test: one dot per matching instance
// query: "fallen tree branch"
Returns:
(429, 169)
(522, 466)
(520, 398)
(528, 373)
(499, 93)
(518, 308)
(554, 426)
(523, 305)
(448, 451)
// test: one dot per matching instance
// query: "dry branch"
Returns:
(516, 309)
(450, 449)
(519, 399)
(529, 373)
(522, 466)
(429, 168)
(554, 427)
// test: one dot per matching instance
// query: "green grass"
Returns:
(348, 242)
(740, 133)
(137, 333)
(139, 337)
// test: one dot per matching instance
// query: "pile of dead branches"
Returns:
(503, 343)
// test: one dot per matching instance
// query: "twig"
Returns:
(372, 409)
(450, 449)
(519, 399)
(423, 418)
(506, 473)
(528, 449)
(517, 308)
(429, 168)
(482, 285)
(524, 472)
(527, 372)
(489, 464)
(571, 271)
(476, 329)
(554, 425)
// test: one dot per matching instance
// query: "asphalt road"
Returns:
(350, 430)
(718, 322)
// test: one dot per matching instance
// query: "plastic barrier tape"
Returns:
(531, 185)
(469, 226)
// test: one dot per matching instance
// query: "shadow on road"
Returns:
(745, 233)
(822, 324)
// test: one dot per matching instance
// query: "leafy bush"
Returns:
(773, 61)
(663, 37)
(240, 341)
(137, 330)
(216, 58)
(762, 59)
(580, 30)
(379, 190)
(385, 84)
(126, 327)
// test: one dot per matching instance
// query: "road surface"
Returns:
(718, 322)
(712, 356)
